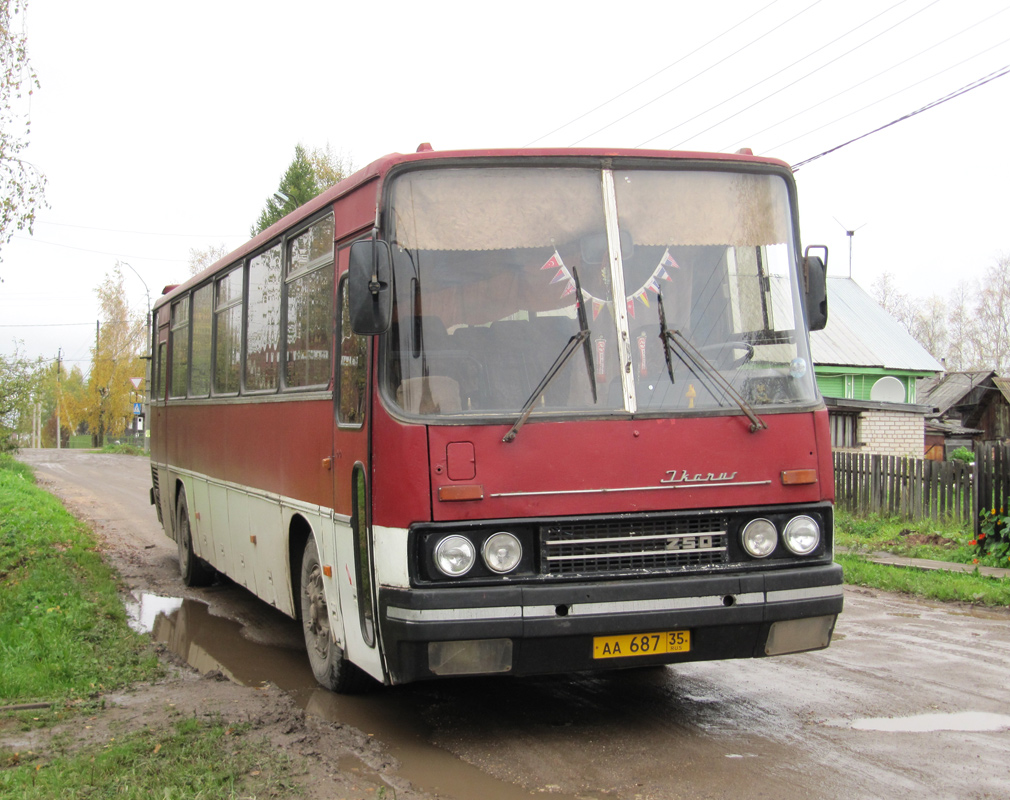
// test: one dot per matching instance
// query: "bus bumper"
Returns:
(530, 630)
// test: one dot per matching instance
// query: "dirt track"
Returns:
(848, 722)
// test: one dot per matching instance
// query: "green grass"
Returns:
(63, 629)
(965, 587)
(64, 640)
(123, 450)
(929, 539)
(193, 759)
(941, 540)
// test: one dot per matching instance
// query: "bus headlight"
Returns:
(759, 537)
(502, 552)
(802, 535)
(454, 555)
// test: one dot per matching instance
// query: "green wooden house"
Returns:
(867, 365)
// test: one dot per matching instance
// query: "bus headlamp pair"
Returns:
(801, 536)
(455, 555)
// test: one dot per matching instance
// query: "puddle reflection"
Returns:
(393, 714)
(211, 643)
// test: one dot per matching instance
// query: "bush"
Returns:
(963, 454)
(992, 545)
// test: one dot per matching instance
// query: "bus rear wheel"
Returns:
(194, 570)
(329, 664)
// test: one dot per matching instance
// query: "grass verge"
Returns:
(929, 539)
(63, 630)
(965, 587)
(123, 450)
(192, 759)
(65, 641)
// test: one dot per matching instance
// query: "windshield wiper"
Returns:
(701, 368)
(582, 337)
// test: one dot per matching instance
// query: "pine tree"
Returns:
(296, 188)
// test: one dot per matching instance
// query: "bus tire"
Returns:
(194, 570)
(329, 664)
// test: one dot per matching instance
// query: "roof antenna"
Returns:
(850, 234)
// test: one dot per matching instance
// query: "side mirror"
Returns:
(815, 276)
(370, 286)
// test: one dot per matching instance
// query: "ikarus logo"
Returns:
(684, 476)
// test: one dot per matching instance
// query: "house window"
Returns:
(844, 430)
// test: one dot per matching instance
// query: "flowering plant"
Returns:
(992, 545)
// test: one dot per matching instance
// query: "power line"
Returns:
(752, 136)
(698, 74)
(98, 252)
(653, 75)
(800, 79)
(888, 97)
(963, 90)
(47, 324)
(144, 233)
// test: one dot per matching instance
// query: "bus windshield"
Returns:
(486, 261)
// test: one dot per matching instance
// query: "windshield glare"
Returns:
(485, 261)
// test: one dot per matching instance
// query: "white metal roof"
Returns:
(861, 334)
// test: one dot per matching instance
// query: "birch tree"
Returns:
(22, 184)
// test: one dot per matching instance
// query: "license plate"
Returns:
(641, 644)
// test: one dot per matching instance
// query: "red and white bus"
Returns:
(510, 412)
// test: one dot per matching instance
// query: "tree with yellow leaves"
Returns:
(115, 358)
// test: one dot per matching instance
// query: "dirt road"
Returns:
(912, 699)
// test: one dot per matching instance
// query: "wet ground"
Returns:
(910, 700)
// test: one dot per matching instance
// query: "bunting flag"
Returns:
(641, 294)
(553, 262)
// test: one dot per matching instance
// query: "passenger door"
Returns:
(352, 523)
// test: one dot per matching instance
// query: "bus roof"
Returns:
(378, 169)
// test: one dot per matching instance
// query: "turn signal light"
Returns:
(796, 477)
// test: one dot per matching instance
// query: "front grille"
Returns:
(621, 547)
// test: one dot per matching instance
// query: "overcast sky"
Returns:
(164, 127)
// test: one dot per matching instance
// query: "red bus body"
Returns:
(624, 522)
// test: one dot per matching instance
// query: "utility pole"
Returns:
(59, 369)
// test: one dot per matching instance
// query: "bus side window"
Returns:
(352, 367)
(179, 346)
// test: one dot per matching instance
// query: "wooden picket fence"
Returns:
(992, 473)
(911, 488)
(919, 489)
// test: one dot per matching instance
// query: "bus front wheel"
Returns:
(329, 665)
(194, 570)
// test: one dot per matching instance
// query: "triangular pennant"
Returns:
(562, 275)
(668, 260)
(554, 262)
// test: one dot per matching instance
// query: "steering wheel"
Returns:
(721, 347)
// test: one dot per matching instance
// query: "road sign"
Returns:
(136, 382)
(138, 408)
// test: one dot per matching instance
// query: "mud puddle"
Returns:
(212, 643)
